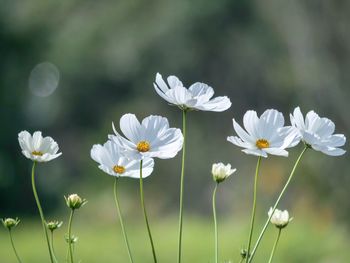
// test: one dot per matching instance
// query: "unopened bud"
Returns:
(74, 201)
(53, 225)
(10, 222)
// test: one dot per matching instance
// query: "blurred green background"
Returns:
(262, 54)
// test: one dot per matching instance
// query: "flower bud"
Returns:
(74, 201)
(279, 218)
(220, 171)
(244, 253)
(53, 225)
(10, 222)
(73, 239)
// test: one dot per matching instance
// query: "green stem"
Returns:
(52, 247)
(121, 220)
(41, 213)
(70, 236)
(145, 214)
(182, 185)
(275, 245)
(254, 208)
(13, 246)
(215, 225)
(277, 202)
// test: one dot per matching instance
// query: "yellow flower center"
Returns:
(118, 169)
(262, 143)
(143, 146)
(38, 153)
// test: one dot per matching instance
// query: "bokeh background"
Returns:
(70, 68)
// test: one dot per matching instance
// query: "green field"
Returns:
(102, 242)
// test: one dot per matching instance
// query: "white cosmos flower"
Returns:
(318, 132)
(197, 96)
(37, 148)
(220, 171)
(150, 138)
(279, 218)
(114, 163)
(264, 135)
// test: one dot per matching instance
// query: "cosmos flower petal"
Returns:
(238, 141)
(251, 122)
(217, 104)
(174, 82)
(336, 140)
(160, 84)
(200, 89)
(256, 152)
(130, 127)
(297, 118)
(242, 133)
(269, 122)
(331, 151)
(276, 151)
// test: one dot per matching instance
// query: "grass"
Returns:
(102, 242)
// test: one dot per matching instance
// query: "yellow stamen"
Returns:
(38, 153)
(118, 169)
(262, 143)
(143, 146)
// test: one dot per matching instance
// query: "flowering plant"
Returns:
(132, 155)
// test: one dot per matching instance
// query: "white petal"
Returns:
(297, 119)
(336, 140)
(310, 120)
(167, 145)
(199, 89)
(255, 152)
(251, 122)
(270, 121)
(37, 138)
(163, 95)
(130, 127)
(25, 141)
(179, 94)
(160, 83)
(242, 133)
(238, 141)
(174, 82)
(276, 151)
(217, 104)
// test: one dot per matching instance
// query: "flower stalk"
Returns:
(121, 219)
(253, 209)
(215, 225)
(70, 238)
(13, 246)
(145, 214)
(277, 202)
(184, 113)
(43, 222)
(275, 245)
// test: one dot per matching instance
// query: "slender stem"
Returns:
(70, 240)
(41, 213)
(13, 246)
(145, 214)
(121, 220)
(254, 208)
(52, 247)
(276, 203)
(215, 225)
(182, 185)
(275, 245)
